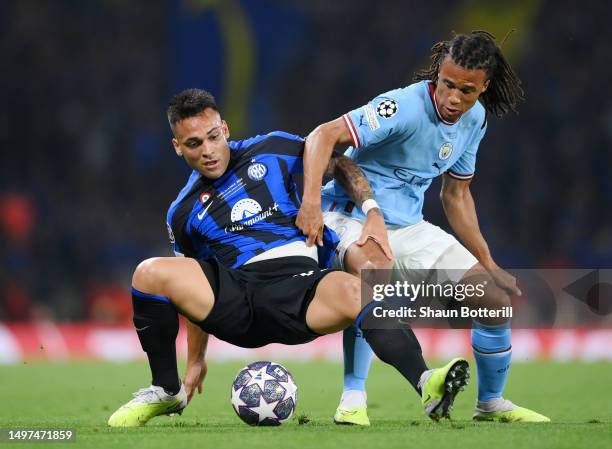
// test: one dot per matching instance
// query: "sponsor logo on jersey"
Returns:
(244, 209)
(387, 108)
(205, 197)
(201, 214)
(257, 171)
(445, 151)
(248, 212)
(370, 113)
(362, 121)
(408, 179)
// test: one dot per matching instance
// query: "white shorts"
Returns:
(416, 249)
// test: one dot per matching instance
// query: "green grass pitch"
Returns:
(577, 397)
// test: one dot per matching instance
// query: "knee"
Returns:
(374, 271)
(377, 264)
(351, 290)
(149, 276)
(497, 299)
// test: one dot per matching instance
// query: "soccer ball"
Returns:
(264, 394)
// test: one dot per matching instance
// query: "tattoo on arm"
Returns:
(351, 178)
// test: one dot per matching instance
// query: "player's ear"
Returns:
(177, 148)
(486, 85)
(225, 129)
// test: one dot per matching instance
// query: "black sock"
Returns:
(398, 347)
(157, 324)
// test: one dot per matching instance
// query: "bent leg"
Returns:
(179, 279)
(371, 257)
(161, 286)
(452, 261)
(337, 304)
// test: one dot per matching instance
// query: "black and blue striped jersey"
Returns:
(250, 209)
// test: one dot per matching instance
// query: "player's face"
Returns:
(202, 141)
(458, 89)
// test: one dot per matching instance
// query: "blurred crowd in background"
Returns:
(87, 170)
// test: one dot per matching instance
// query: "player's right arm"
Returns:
(197, 341)
(389, 114)
(318, 149)
(356, 185)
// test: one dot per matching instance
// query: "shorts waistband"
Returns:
(281, 265)
(292, 249)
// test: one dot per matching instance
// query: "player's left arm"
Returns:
(356, 185)
(197, 341)
(460, 210)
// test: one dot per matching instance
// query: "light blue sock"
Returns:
(493, 351)
(357, 359)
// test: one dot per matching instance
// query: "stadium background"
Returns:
(87, 170)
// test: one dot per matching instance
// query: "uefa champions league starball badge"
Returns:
(387, 108)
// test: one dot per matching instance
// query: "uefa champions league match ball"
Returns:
(264, 394)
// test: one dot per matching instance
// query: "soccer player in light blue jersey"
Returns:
(401, 140)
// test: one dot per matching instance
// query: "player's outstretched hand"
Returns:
(374, 228)
(505, 281)
(194, 378)
(310, 221)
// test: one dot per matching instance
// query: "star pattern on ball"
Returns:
(236, 401)
(289, 387)
(264, 394)
(265, 409)
(259, 377)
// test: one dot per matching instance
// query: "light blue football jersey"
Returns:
(401, 143)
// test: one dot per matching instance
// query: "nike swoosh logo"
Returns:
(141, 328)
(201, 214)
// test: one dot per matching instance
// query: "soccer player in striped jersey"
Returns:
(402, 139)
(248, 276)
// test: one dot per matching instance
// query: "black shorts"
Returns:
(262, 302)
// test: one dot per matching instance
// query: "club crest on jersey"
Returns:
(244, 209)
(387, 108)
(445, 151)
(205, 197)
(257, 171)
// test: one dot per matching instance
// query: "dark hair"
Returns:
(478, 50)
(188, 103)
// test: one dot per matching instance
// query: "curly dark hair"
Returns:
(478, 50)
(189, 103)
